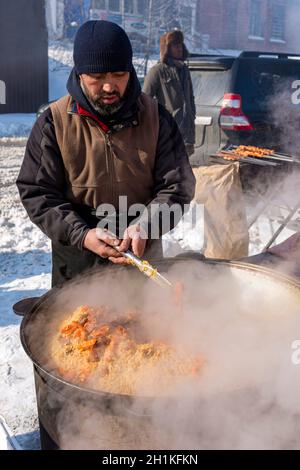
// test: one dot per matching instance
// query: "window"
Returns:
(209, 86)
(114, 5)
(98, 4)
(278, 21)
(128, 6)
(255, 27)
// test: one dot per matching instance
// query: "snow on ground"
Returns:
(25, 272)
(24, 250)
(18, 125)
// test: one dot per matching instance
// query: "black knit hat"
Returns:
(102, 46)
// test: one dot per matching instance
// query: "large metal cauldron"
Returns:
(111, 421)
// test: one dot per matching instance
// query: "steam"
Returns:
(247, 394)
(271, 199)
(283, 109)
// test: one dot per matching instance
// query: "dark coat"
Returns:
(170, 83)
(172, 87)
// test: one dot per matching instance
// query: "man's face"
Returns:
(105, 90)
(176, 50)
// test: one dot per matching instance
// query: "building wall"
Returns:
(65, 16)
(227, 24)
(24, 56)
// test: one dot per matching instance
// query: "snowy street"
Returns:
(25, 272)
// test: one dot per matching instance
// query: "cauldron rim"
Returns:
(160, 263)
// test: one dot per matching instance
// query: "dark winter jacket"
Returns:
(46, 189)
(170, 83)
(164, 83)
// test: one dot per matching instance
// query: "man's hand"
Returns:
(105, 244)
(134, 239)
(101, 242)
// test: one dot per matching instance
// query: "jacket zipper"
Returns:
(108, 157)
(109, 162)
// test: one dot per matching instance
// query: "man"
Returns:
(170, 83)
(104, 140)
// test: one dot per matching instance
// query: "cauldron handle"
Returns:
(24, 306)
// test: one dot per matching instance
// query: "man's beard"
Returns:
(107, 109)
(99, 106)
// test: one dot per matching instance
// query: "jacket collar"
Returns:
(83, 112)
(75, 108)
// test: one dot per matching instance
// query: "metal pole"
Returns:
(282, 226)
(150, 19)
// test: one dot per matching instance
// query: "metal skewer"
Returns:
(146, 268)
(239, 158)
(272, 156)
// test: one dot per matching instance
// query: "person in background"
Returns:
(169, 81)
(104, 140)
